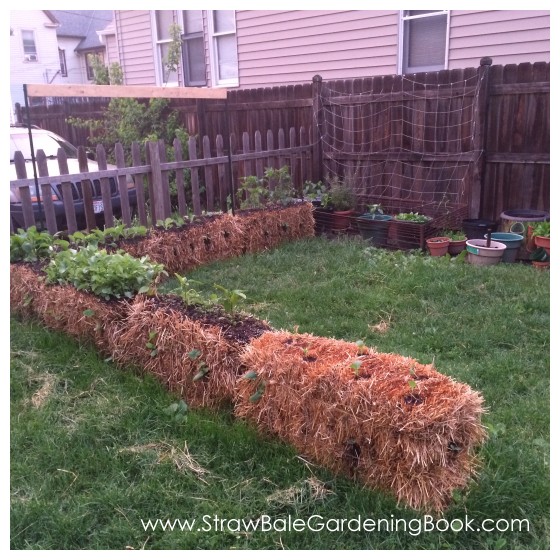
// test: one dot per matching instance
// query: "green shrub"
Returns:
(31, 245)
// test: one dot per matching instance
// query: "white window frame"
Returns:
(160, 78)
(402, 19)
(185, 38)
(213, 51)
(26, 55)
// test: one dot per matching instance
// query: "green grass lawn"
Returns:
(93, 451)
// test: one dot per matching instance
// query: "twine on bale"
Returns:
(182, 348)
(389, 421)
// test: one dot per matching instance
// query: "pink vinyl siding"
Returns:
(289, 47)
(136, 51)
(507, 36)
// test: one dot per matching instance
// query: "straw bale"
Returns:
(79, 314)
(26, 285)
(387, 420)
(177, 335)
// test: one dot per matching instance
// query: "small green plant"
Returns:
(151, 343)
(314, 191)
(177, 412)
(258, 394)
(202, 371)
(188, 294)
(341, 195)
(541, 229)
(31, 245)
(170, 223)
(454, 235)
(355, 366)
(229, 299)
(413, 217)
(252, 193)
(375, 209)
(279, 184)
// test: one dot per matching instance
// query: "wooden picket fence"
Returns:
(206, 177)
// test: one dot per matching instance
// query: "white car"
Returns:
(50, 143)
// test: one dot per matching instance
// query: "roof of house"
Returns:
(83, 24)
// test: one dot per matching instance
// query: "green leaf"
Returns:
(89, 313)
(412, 384)
(250, 375)
(256, 397)
(194, 354)
(172, 409)
(154, 353)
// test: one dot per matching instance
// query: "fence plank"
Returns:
(123, 187)
(281, 145)
(247, 165)
(258, 148)
(208, 175)
(269, 147)
(87, 194)
(46, 193)
(164, 179)
(67, 196)
(223, 176)
(293, 167)
(24, 191)
(156, 203)
(105, 185)
(139, 185)
(180, 178)
(194, 178)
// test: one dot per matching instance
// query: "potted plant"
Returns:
(458, 241)
(541, 236)
(438, 246)
(342, 199)
(374, 225)
(409, 230)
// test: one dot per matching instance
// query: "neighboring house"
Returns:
(249, 48)
(57, 46)
(79, 42)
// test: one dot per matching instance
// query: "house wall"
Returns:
(45, 68)
(111, 49)
(507, 36)
(290, 47)
(74, 62)
(136, 51)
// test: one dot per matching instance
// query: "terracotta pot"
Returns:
(458, 246)
(541, 265)
(543, 242)
(438, 246)
(341, 219)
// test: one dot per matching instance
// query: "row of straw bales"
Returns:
(387, 421)
(223, 236)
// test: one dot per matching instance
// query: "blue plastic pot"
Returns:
(512, 241)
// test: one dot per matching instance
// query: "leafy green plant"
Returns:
(279, 184)
(151, 344)
(454, 235)
(229, 299)
(107, 275)
(313, 191)
(341, 195)
(252, 193)
(177, 411)
(541, 229)
(170, 223)
(375, 209)
(31, 245)
(414, 217)
(188, 294)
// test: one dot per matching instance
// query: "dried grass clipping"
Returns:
(389, 421)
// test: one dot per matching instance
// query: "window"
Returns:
(62, 59)
(223, 47)
(163, 21)
(425, 37)
(29, 47)
(194, 63)
(92, 58)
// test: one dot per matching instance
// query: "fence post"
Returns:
(479, 140)
(317, 151)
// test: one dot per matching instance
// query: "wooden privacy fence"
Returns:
(486, 142)
(203, 175)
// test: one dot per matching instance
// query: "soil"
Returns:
(236, 328)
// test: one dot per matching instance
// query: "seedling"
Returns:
(230, 299)
(356, 367)
(177, 411)
(150, 345)
(203, 371)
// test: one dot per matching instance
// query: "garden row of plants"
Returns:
(388, 421)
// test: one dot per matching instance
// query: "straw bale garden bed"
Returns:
(321, 380)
